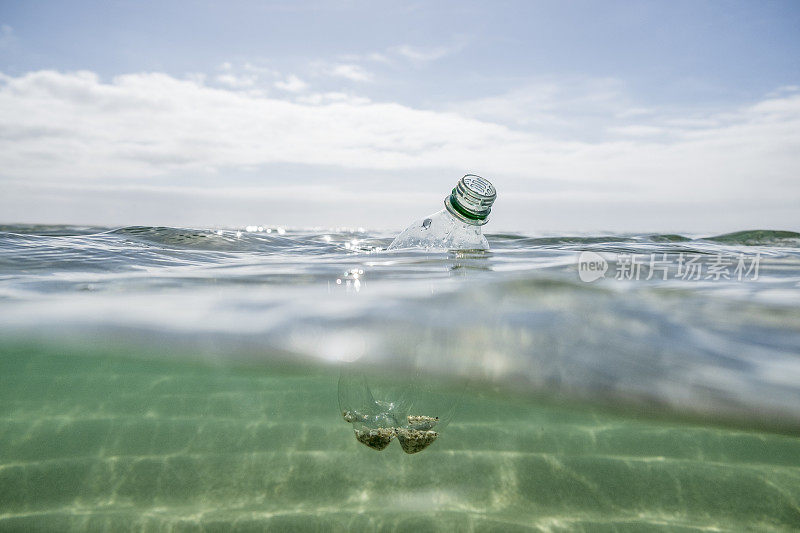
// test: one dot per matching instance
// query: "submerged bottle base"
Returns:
(414, 437)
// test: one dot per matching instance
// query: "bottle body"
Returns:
(441, 231)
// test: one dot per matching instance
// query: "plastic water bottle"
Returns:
(408, 405)
(458, 225)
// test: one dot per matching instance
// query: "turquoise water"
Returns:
(160, 379)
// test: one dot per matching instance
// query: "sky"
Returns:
(589, 117)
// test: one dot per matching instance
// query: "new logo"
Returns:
(591, 266)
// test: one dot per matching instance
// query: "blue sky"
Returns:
(589, 116)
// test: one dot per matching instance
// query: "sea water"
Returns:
(165, 379)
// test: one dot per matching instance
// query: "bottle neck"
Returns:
(462, 214)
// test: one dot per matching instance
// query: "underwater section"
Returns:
(100, 438)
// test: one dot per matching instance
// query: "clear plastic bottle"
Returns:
(406, 403)
(458, 225)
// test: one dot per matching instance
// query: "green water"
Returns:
(91, 441)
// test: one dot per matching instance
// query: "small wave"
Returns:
(759, 237)
(267, 240)
(669, 237)
(180, 237)
(50, 230)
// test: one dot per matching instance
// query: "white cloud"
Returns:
(330, 97)
(349, 66)
(236, 82)
(405, 52)
(245, 76)
(350, 71)
(377, 57)
(292, 84)
(154, 128)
